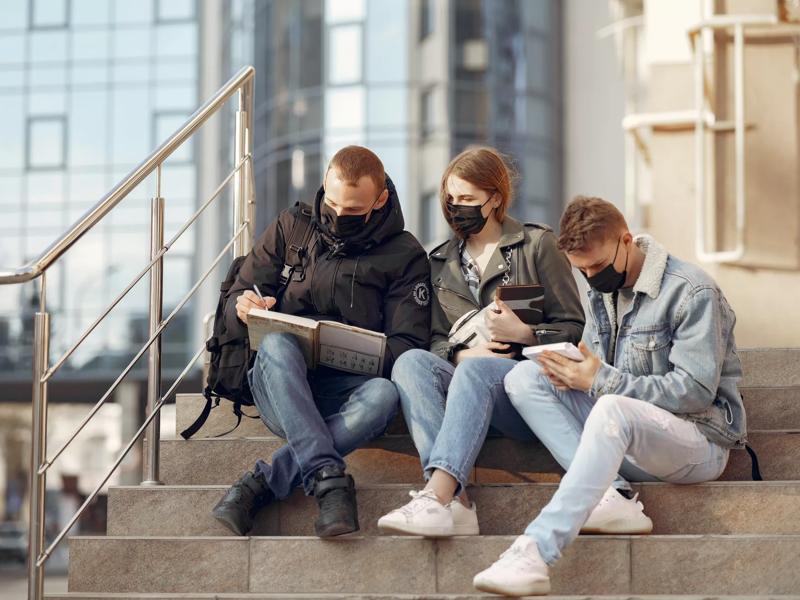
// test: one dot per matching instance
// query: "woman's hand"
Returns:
(485, 349)
(505, 326)
(248, 300)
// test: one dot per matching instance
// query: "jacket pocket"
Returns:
(650, 350)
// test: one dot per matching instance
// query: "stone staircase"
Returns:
(734, 537)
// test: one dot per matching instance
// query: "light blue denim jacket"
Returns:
(676, 348)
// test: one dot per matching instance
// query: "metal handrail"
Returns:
(48, 463)
(243, 212)
(243, 80)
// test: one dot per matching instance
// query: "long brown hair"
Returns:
(485, 168)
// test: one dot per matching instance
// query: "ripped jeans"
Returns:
(599, 442)
(323, 415)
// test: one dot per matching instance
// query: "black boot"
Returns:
(241, 502)
(335, 492)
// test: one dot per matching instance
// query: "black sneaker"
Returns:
(335, 492)
(241, 502)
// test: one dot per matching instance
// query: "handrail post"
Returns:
(153, 434)
(241, 193)
(41, 345)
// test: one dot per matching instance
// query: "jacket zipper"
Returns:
(462, 296)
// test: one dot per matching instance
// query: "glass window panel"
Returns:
(87, 76)
(90, 12)
(10, 254)
(427, 18)
(49, 13)
(183, 98)
(178, 182)
(46, 137)
(10, 190)
(339, 11)
(131, 119)
(172, 71)
(12, 79)
(135, 73)
(12, 49)
(132, 42)
(45, 189)
(344, 54)
(15, 14)
(177, 275)
(537, 65)
(11, 222)
(12, 131)
(47, 103)
(344, 108)
(89, 127)
(386, 56)
(85, 190)
(127, 12)
(90, 45)
(537, 117)
(387, 107)
(48, 77)
(164, 125)
(48, 46)
(536, 175)
(176, 40)
(49, 217)
(175, 10)
(536, 15)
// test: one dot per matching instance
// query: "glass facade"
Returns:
(87, 89)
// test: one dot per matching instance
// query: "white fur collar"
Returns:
(655, 263)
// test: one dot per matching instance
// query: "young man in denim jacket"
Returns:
(654, 399)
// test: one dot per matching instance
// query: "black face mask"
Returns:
(608, 280)
(344, 226)
(467, 220)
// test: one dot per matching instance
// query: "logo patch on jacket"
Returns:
(422, 294)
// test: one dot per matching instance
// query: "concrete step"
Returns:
(740, 564)
(771, 393)
(394, 459)
(717, 508)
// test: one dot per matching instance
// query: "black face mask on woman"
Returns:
(344, 226)
(609, 280)
(467, 220)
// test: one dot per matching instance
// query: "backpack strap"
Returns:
(755, 471)
(203, 417)
(297, 247)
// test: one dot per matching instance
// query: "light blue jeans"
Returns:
(323, 415)
(596, 440)
(450, 409)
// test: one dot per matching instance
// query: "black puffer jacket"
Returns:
(378, 280)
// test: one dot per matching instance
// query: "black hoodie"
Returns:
(378, 279)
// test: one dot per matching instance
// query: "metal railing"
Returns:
(243, 218)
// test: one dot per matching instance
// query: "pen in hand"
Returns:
(258, 293)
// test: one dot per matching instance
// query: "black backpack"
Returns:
(231, 355)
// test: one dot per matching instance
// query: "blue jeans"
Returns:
(596, 440)
(449, 409)
(323, 415)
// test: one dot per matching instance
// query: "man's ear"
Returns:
(382, 199)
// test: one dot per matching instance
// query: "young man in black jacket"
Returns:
(360, 268)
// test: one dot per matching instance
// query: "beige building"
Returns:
(723, 194)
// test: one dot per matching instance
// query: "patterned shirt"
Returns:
(470, 271)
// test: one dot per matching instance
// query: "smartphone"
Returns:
(566, 349)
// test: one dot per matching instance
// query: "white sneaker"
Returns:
(617, 514)
(465, 520)
(424, 515)
(520, 571)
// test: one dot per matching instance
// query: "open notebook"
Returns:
(327, 343)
